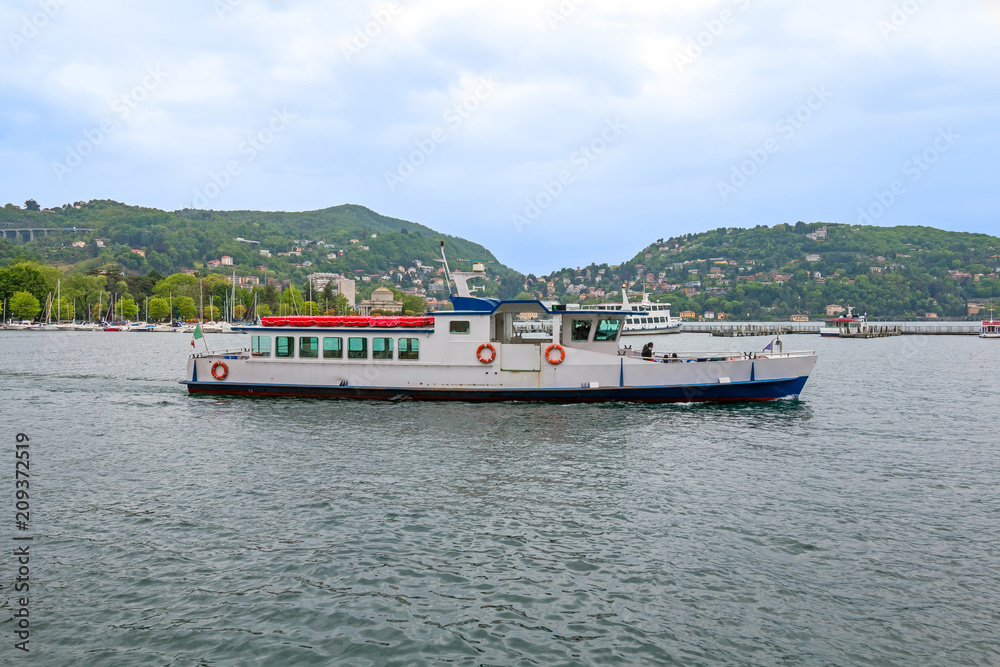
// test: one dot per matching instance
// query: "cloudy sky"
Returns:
(555, 133)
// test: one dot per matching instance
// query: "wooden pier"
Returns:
(868, 330)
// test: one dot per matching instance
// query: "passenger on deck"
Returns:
(647, 351)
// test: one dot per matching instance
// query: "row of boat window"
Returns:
(648, 320)
(332, 347)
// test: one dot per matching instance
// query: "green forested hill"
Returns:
(759, 273)
(786, 269)
(188, 239)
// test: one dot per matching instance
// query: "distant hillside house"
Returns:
(814, 258)
(382, 299)
(79, 244)
(138, 251)
(833, 310)
(688, 315)
(265, 253)
(800, 318)
(226, 260)
(818, 235)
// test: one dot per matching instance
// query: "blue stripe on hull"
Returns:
(762, 390)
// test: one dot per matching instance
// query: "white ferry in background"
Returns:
(644, 318)
(474, 353)
(990, 328)
(836, 325)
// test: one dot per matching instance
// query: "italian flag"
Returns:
(197, 333)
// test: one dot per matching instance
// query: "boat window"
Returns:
(381, 348)
(285, 347)
(459, 327)
(607, 330)
(357, 348)
(581, 330)
(409, 349)
(308, 347)
(260, 346)
(333, 348)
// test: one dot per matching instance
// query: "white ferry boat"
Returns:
(834, 326)
(474, 353)
(645, 318)
(990, 328)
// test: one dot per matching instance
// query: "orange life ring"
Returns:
(491, 357)
(223, 374)
(562, 354)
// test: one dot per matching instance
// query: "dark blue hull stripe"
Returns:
(761, 390)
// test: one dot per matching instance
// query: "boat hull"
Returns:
(652, 331)
(742, 392)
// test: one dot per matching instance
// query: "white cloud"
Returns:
(557, 81)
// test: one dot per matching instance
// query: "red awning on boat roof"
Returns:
(320, 321)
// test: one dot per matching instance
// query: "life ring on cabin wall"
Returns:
(555, 361)
(223, 374)
(488, 359)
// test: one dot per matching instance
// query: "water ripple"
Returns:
(855, 526)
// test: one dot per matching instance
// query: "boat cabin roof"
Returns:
(465, 306)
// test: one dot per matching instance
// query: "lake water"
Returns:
(859, 525)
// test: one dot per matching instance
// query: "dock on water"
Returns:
(741, 330)
(738, 329)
